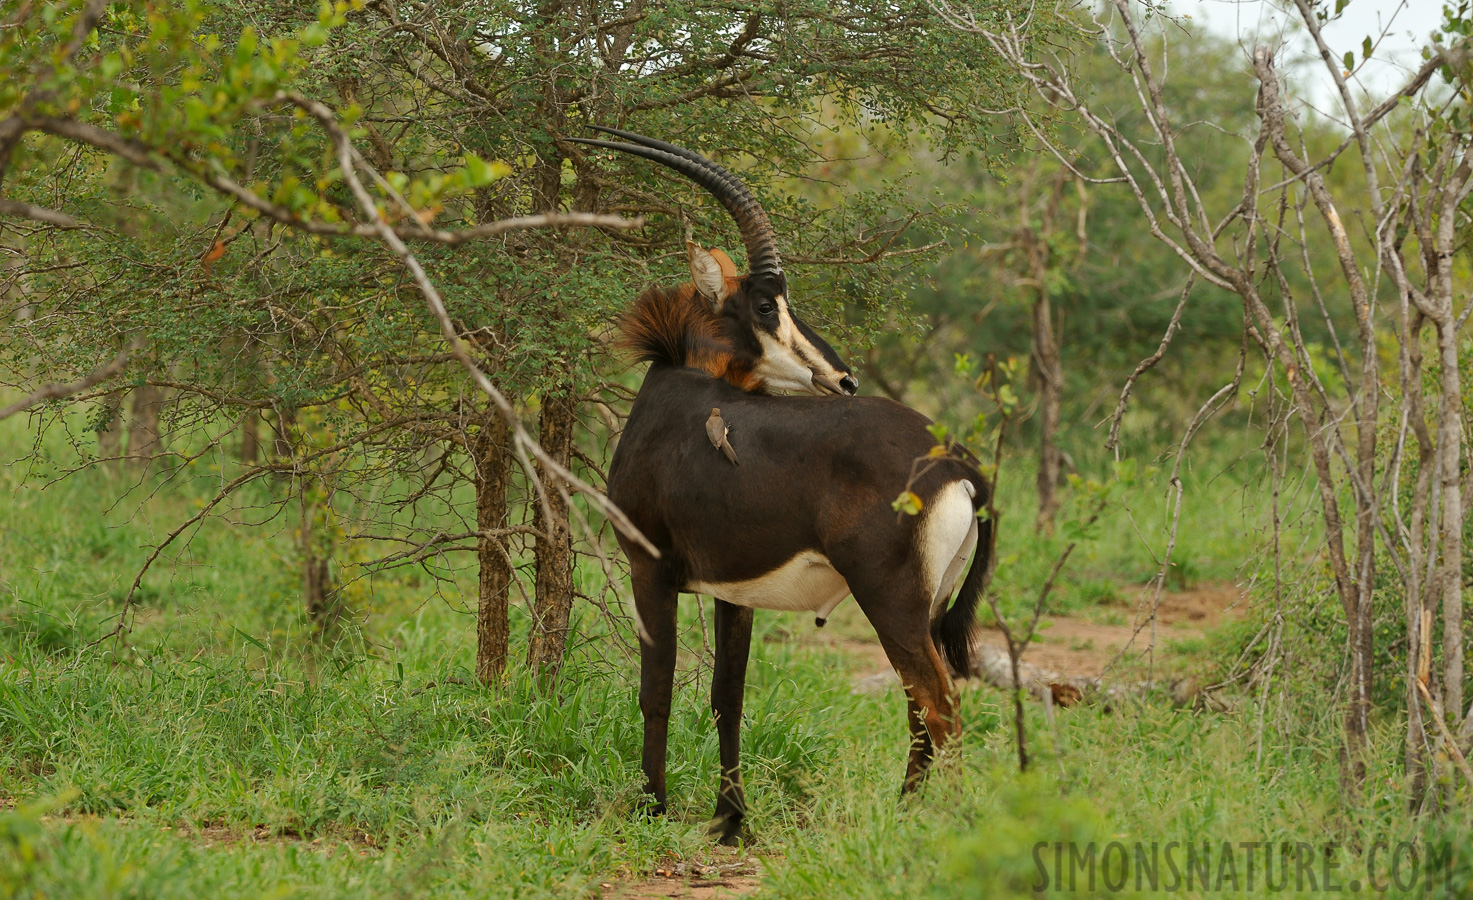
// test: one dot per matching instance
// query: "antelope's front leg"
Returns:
(655, 600)
(733, 643)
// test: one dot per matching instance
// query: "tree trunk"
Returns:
(143, 426)
(1450, 574)
(281, 430)
(319, 589)
(492, 456)
(1050, 371)
(250, 438)
(553, 598)
(110, 435)
(552, 602)
(1047, 369)
(1416, 736)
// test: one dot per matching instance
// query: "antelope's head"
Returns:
(755, 317)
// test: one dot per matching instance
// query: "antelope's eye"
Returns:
(766, 308)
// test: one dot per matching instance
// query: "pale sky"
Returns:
(1407, 25)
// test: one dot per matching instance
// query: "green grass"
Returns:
(377, 786)
(221, 754)
(1221, 520)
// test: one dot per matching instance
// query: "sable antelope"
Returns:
(806, 518)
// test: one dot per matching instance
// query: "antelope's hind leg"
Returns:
(902, 622)
(932, 711)
(728, 684)
(655, 600)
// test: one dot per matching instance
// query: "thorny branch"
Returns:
(350, 160)
(56, 391)
(1414, 185)
(160, 158)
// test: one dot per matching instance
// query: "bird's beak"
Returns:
(828, 384)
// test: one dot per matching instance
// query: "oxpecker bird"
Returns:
(717, 431)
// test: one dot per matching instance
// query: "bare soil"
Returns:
(214, 835)
(737, 877)
(683, 888)
(1081, 647)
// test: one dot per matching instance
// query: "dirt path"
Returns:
(1081, 648)
(683, 888)
(720, 880)
(1078, 647)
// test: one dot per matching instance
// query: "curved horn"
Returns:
(751, 220)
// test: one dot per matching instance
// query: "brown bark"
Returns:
(144, 442)
(1047, 370)
(1411, 382)
(492, 456)
(110, 436)
(250, 438)
(281, 443)
(1354, 585)
(1450, 574)
(1050, 375)
(552, 603)
(319, 589)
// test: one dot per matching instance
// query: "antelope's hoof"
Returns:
(729, 831)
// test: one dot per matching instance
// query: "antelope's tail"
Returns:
(959, 625)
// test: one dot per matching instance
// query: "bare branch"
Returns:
(150, 158)
(56, 391)
(348, 160)
(15, 209)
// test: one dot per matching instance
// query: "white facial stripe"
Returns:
(808, 582)
(808, 354)
(781, 368)
(789, 358)
(786, 330)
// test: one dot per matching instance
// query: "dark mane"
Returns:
(674, 327)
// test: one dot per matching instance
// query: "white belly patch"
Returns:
(805, 583)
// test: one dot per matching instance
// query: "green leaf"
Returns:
(245, 48)
(1365, 48)
(119, 99)
(481, 173)
(1125, 470)
(907, 503)
(1349, 60)
(250, 640)
(938, 431)
(1076, 531)
(111, 65)
(314, 35)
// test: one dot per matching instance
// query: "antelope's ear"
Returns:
(708, 274)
